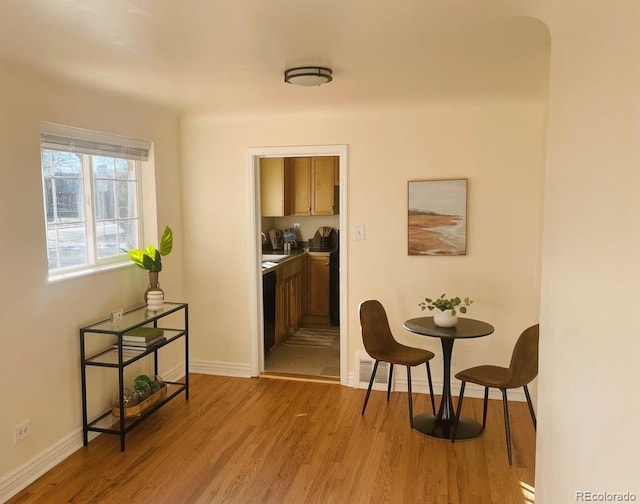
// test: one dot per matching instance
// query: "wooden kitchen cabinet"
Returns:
(300, 185)
(322, 188)
(274, 187)
(290, 296)
(312, 185)
(318, 284)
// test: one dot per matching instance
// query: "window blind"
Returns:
(68, 139)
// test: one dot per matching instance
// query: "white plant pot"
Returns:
(445, 318)
(155, 300)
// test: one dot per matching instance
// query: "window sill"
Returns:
(61, 277)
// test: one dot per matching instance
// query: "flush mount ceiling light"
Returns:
(308, 76)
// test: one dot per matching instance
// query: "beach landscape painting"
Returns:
(437, 217)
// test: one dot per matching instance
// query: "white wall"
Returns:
(588, 401)
(498, 145)
(39, 344)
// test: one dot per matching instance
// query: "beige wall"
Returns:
(588, 400)
(497, 145)
(39, 371)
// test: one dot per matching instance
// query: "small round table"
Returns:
(441, 425)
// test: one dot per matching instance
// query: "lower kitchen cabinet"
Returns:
(318, 284)
(289, 296)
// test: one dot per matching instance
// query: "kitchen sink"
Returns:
(273, 257)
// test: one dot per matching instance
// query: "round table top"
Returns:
(465, 328)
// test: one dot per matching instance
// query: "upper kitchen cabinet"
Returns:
(274, 187)
(300, 174)
(313, 181)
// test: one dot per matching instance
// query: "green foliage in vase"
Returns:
(443, 304)
(151, 257)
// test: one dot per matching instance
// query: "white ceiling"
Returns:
(228, 56)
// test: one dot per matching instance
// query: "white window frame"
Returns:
(88, 143)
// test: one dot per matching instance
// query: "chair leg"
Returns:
(373, 375)
(533, 413)
(506, 422)
(458, 410)
(484, 408)
(389, 382)
(410, 396)
(433, 402)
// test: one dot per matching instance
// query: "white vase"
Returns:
(445, 318)
(155, 300)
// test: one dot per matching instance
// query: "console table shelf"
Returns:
(106, 336)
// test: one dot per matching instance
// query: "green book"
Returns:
(143, 334)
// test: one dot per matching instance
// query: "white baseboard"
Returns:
(221, 368)
(420, 386)
(26, 474)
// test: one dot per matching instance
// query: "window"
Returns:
(92, 197)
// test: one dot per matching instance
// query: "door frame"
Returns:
(255, 303)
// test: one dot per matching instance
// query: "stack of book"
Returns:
(142, 338)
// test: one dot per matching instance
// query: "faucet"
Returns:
(264, 237)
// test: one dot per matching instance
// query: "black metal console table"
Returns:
(104, 349)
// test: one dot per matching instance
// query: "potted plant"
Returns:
(445, 315)
(150, 258)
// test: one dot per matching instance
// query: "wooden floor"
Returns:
(276, 441)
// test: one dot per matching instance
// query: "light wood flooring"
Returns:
(275, 441)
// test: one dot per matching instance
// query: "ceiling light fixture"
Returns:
(308, 76)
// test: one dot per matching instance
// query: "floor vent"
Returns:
(364, 367)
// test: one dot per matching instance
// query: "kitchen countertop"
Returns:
(293, 255)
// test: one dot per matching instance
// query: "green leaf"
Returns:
(151, 258)
(166, 242)
(137, 256)
(463, 309)
(157, 261)
(147, 263)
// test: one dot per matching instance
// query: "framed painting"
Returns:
(437, 217)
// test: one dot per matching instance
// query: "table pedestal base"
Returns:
(443, 429)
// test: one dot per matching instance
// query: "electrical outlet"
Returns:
(22, 431)
(296, 226)
(116, 316)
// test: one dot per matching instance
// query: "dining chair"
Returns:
(521, 371)
(382, 346)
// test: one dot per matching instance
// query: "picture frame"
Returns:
(437, 217)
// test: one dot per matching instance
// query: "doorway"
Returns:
(316, 328)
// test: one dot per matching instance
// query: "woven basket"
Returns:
(140, 408)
